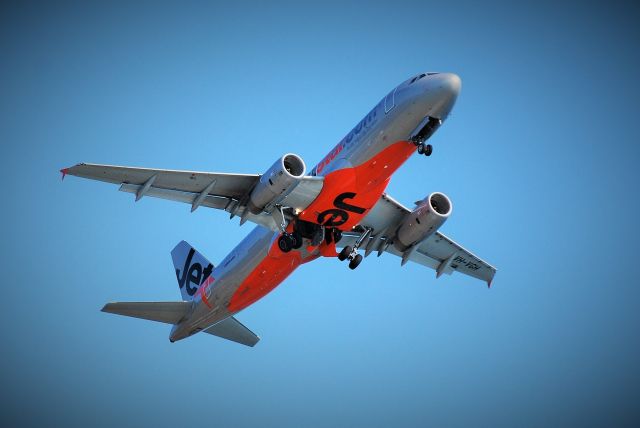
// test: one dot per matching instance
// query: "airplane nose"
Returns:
(446, 87)
(451, 83)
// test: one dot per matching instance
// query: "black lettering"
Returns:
(195, 275)
(187, 263)
(339, 216)
(205, 274)
(192, 274)
(335, 218)
(340, 203)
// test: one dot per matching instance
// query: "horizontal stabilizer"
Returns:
(232, 329)
(167, 312)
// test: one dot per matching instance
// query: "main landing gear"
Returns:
(289, 241)
(352, 253)
(315, 233)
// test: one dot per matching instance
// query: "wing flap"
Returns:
(211, 201)
(232, 329)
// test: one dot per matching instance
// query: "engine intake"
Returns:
(424, 220)
(279, 180)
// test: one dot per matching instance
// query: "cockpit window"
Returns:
(418, 77)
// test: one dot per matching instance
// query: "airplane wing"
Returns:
(227, 192)
(436, 251)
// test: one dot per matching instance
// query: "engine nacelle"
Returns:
(277, 182)
(424, 220)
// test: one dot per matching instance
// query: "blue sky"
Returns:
(539, 158)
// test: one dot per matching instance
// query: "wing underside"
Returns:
(437, 251)
(221, 191)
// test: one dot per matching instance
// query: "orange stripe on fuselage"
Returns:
(269, 273)
(367, 181)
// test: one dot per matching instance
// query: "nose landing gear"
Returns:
(425, 149)
(421, 134)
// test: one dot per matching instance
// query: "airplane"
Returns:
(337, 210)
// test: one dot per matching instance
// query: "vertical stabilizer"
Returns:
(192, 269)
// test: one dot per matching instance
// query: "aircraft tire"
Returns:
(420, 149)
(285, 243)
(355, 262)
(428, 150)
(342, 256)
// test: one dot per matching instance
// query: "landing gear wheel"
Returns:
(421, 149)
(344, 254)
(285, 242)
(337, 235)
(297, 240)
(355, 262)
(428, 149)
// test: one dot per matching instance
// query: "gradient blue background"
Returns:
(540, 158)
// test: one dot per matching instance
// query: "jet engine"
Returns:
(424, 220)
(277, 182)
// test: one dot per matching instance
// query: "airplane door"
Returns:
(390, 101)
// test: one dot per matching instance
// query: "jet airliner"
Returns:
(339, 209)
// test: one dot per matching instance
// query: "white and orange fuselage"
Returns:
(356, 173)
